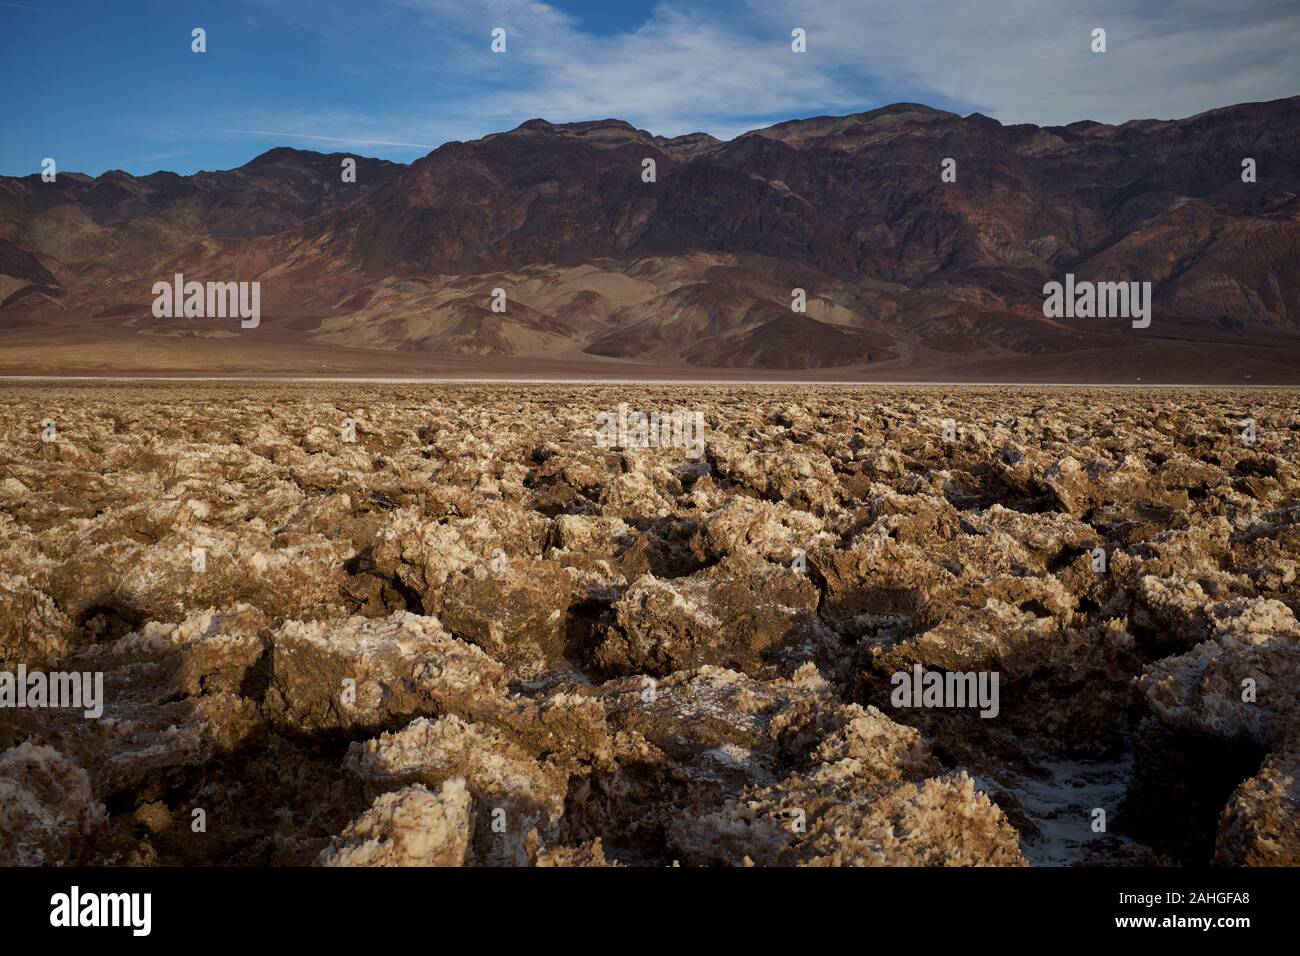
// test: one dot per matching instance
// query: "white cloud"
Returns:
(726, 67)
(684, 69)
(1030, 61)
(347, 140)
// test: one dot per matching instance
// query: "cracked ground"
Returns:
(474, 636)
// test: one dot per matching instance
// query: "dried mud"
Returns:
(473, 636)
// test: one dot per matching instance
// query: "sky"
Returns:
(114, 84)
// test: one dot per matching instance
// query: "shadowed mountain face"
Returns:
(901, 270)
(79, 237)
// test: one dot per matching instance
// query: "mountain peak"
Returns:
(280, 153)
(601, 133)
(848, 131)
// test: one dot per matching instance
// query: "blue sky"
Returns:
(114, 85)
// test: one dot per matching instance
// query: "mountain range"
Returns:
(693, 274)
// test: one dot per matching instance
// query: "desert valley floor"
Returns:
(357, 624)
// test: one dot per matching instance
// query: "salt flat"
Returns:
(360, 622)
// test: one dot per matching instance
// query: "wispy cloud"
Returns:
(396, 78)
(694, 64)
(685, 68)
(354, 141)
(1030, 60)
(23, 6)
(725, 67)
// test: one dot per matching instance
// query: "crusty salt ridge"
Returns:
(617, 648)
(32, 629)
(526, 796)
(409, 827)
(399, 666)
(1260, 825)
(46, 806)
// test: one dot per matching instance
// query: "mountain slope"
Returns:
(700, 266)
